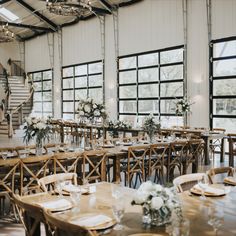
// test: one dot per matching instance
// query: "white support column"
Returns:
(57, 75)
(103, 51)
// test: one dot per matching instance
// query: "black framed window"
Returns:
(223, 84)
(81, 81)
(42, 100)
(151, 82)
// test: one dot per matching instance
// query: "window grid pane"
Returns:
(42, 99)
(150, 82)
(223, 85)
(85, 80)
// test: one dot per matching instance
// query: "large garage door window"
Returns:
(151, 82)
(223, 84)
(80, 82)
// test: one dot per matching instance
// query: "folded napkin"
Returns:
(92, 221)
(210, 190)
(57, 204)
(70, 188)
(108, 145)
(127, 144)
(230, 179)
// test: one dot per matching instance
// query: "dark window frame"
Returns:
(42, 91)
(74, 89)
(213, 78)
(158, 81)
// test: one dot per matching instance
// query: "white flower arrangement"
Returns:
(116, 125)
(89, 109)
(38, 128)
(183, 106)
(151, 126)
(157, 201)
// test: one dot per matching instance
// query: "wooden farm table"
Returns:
(198, 212)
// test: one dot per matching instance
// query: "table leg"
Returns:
(116, 169)
(222, 151)
(206, 150)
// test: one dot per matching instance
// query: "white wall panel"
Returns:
(82, 42)
(9, 50)
(37, 54)
(223, 18)
(150, 25)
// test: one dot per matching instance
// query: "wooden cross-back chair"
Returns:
(30, 216)
(60, 227)
(9, 180)
(193, 155)
(232, 148)
(186, 182)
(32, 169)
(48, 183)
(158, 156)
(135, 164)
(217, 175)
(70, 162)
(178, 152)
(216, 144)
(94, 165)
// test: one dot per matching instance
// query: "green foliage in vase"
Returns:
(37, 128)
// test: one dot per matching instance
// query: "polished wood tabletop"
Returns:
(197, 211)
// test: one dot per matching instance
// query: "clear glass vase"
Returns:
(155, 217)
(39, 147)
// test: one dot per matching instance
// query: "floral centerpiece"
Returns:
(159, 203)
(183, 106)
(91, 110)
(151, 126)
(38, 128)
(117, 125)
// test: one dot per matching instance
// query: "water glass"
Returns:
(75, 196)
(181, 228)
(203, 183)
(118, 210)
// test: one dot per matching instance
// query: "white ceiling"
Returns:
(28, 17)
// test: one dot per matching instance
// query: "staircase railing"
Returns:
(18, 109)
(5, 102)
(16, 68)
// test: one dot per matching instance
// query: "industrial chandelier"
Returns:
(5, 34)
(68, 7)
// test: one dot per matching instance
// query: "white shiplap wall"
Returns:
(148, 25)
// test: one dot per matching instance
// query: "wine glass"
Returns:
(216, 218)
(116, 191)
(4, 155)
(118, 210)
(203, 183)
(75, 196)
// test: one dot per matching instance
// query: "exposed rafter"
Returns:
(32, 27)
(100, 10)
(107, 5)
(124, 4)
(51, 24)
(4, 1)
